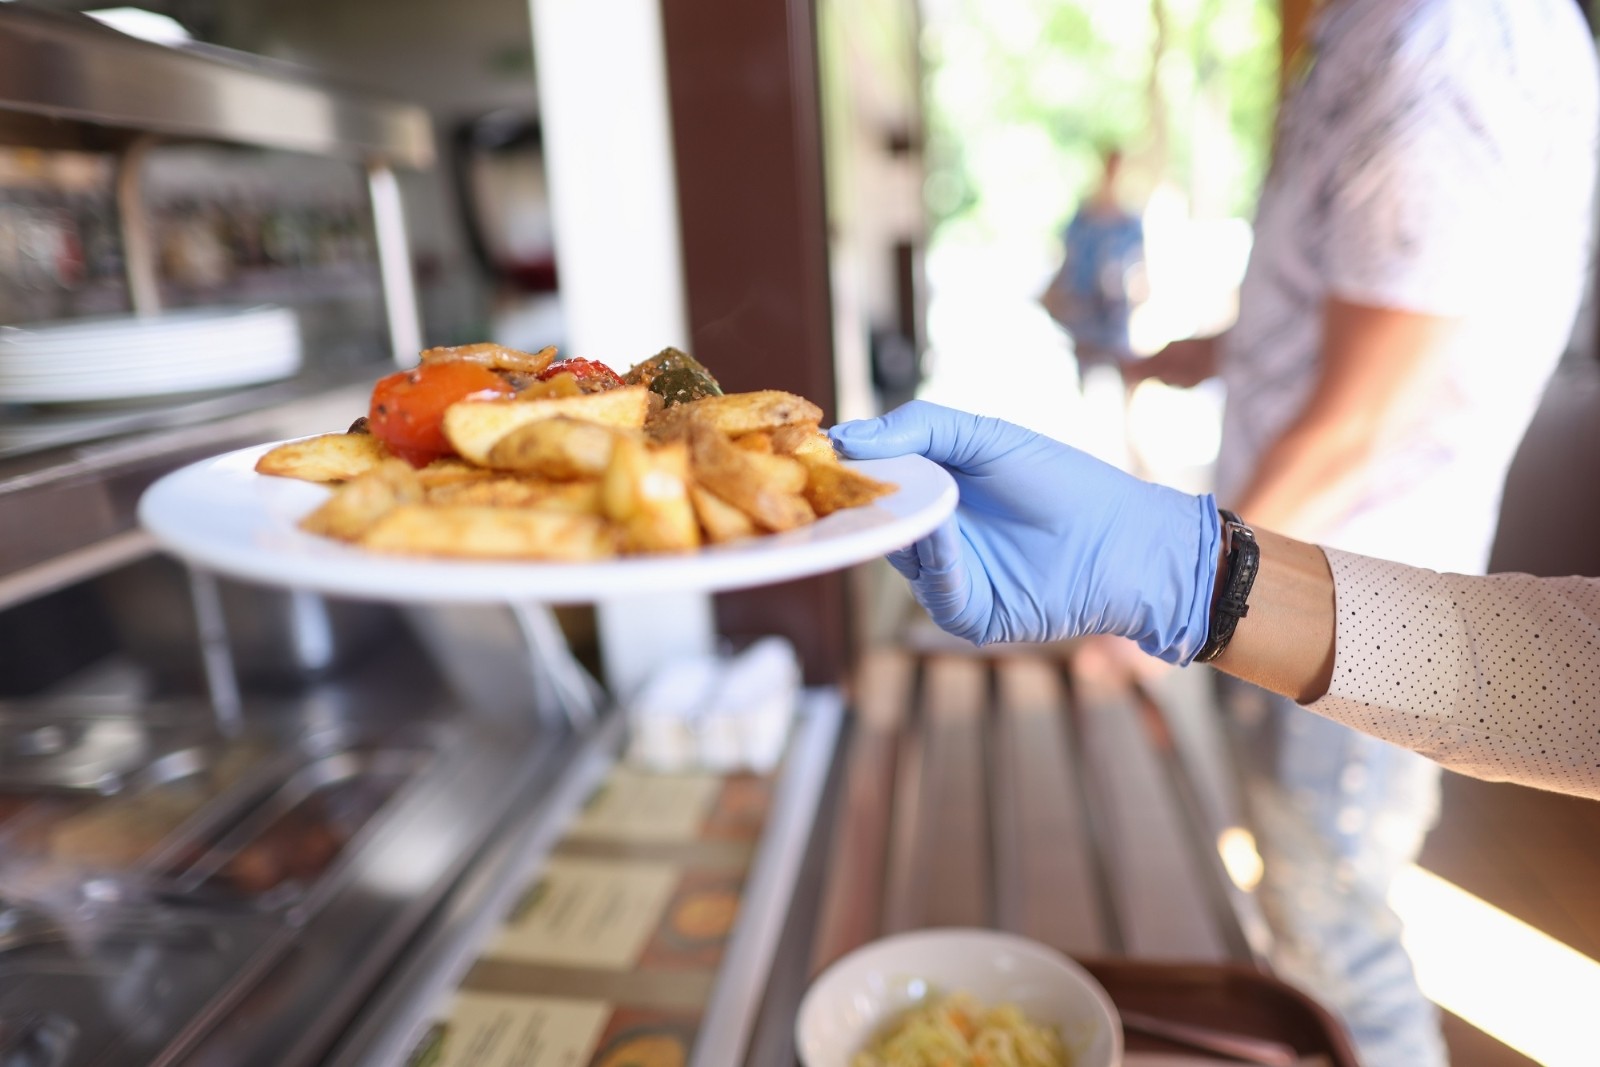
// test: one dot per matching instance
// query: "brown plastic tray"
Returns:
(1232, 997)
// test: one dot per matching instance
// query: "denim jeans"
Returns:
(1337, 815)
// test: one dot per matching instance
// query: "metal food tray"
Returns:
(81, 749)
(391, 768)
(100, 972)
(179, 864)
(119, 991)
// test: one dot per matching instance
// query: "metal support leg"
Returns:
(138, 247)
(559, 680)
(216, 656)
(394, 265)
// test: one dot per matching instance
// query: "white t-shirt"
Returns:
(1438, 157)
(1497, 677)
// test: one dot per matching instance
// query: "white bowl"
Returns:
(861, 992)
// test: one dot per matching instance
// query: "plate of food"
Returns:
(486, 474)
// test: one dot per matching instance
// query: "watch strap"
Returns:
(1243, 558)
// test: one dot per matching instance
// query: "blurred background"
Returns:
(862, 201)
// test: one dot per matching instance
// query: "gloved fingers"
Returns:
(904, 560)
(940, 551)
(944, 583)
(949, 437)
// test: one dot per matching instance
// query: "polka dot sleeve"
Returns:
(1497, 677)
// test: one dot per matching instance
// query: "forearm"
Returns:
(1378, 368)
(1308, 477)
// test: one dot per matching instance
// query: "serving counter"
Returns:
(679, 920)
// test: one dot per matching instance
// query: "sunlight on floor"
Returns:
(1508, 979)
(1511, 980)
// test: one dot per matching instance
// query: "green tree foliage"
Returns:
(1022, 95)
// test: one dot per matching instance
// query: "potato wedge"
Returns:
(805, 441)
(496, 357)
(720, 520)
(332, 457)
(831, 486)
(491, 533)
(358, 504)
(443, 472)
(759, 442)
(562, 447)
(740, 479)
(646, 491)
(505, 491)
(735, 414)
(474, 427)
(783, 474)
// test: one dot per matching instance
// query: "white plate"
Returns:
(86, 387)
(868, 988)
(221, 514)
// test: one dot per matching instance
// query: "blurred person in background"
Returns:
(1101, 278)
(1420, 246)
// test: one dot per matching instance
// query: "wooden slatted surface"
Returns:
(853, 894)
(1047, 881)
(1162, 904)
(978, 791)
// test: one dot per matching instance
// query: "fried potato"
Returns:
(740, 479)
(735, 414)
(492, 533)
(806, 442)
(474, 427)
(646, 491)
(353, 508)
(332, 457)
(495, 357)
(720, 520)
(579, 498)
(831, 486)
(562, 447)
(784, 474)
(443, 472)
(758, 442)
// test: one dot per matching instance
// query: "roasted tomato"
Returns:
(408, 408)
(592, 377)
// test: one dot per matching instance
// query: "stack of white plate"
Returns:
(129, 356)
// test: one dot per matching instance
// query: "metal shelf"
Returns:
(67, 81)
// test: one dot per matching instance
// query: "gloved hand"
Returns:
(1047, 541)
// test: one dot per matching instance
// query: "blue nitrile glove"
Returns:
(1048, 542)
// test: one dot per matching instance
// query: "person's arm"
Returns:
(1498, 677)
(1375, 363)
(1181, 364)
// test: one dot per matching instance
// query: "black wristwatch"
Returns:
(1243, 558)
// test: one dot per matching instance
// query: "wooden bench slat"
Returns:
(1045, 867)
(1160, 901)
(954, 856)
(853, 892)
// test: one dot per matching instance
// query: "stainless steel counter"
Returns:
(162, 963)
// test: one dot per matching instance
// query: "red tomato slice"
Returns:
(408, 408)
(592, 377)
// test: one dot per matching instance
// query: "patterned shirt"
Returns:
(1496, 677)
(1437, 158)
